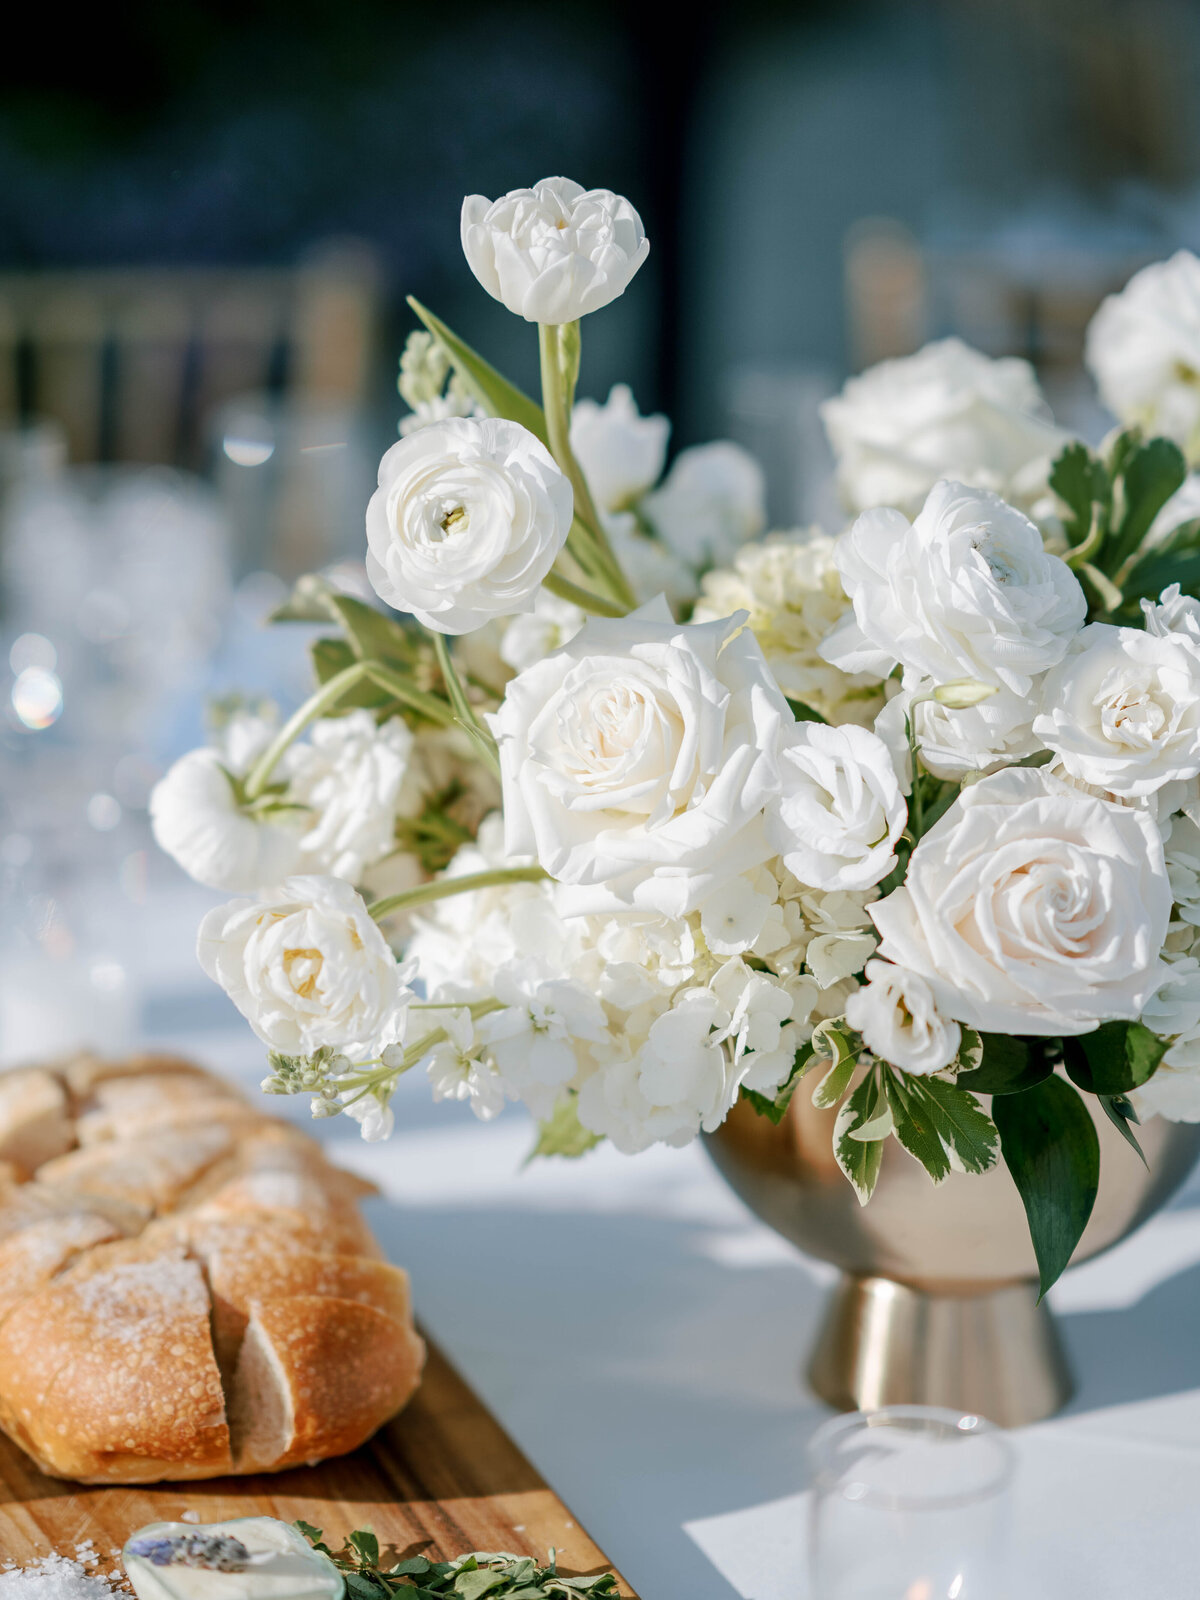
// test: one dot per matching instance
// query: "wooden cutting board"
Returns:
(440, 1479)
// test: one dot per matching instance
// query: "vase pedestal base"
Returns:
(996, 1352)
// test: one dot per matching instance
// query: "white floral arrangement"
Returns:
(620, 809)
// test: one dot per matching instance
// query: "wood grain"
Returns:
(440, 1479)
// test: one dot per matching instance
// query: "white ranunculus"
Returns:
(712, 501)
(1143, 349)
(840, 810)
(554, 252)
(946, 412)
(967, 590)
(468, 519)
(899, 1021)
(1031, 907)
(306, 966)
(1122, 711)
(636, 762)
(621, 452)
(350, 777)
(953, 742)
(1173, 613)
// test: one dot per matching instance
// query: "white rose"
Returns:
(1173, 612)
(1031, 907)
(899, 1022)
(840, 810)
(350, 776)
(954, 742)
(1143, 349)
(621, 452)
(712, 501)
(554, 252)
(468, 519)
(1122, 711)
(946, 412)
(637, 760)
(967, 590)
(306, 966)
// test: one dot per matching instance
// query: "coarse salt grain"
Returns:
(54, 1578)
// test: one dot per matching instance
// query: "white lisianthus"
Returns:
(1173, 613)
(350, 778)
(954, 742)
(621, 452)
(554, 252)
(896, 1015)
(1143, 349)
(1122, 711)
(1031, 907)
(840, 810)
(946, 412)
(791, 587)
(966, 591)
(306, 967)
(712, 501)
(636, 762)
(468, 519)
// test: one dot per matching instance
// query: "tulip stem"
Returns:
(558, 347)
(583, 598)
(443, 888)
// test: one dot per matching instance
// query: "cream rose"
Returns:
(896, 1015)
(1031, 907)
(840, 810)
(636, 761)
(554, 252)
(621, 452)
(306, 966)
(468, 519)
(946, 412)
(966, 591)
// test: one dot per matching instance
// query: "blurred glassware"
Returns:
(909, 1503)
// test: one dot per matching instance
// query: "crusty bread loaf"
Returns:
(187, 1287)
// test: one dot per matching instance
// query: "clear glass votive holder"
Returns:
(909, 1503)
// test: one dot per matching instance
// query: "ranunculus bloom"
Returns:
(553, 252)
(306, 966)
(840, 810)
(636, 761)
(1122, 711)
(621, 452)
(468, 519)
(712, 501)
(895, 1013)
(1032, 907)
(1143, 349)
(946, 412)
(966, 591)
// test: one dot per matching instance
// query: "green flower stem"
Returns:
(1104, 587)
(480, 736)
(583, 598)
(326, 697)
(443, 888)
(1084, 552)
(364, 1082)
(558, 347)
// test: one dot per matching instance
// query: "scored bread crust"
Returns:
(187, 1287)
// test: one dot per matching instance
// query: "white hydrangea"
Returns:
(1173, 1013)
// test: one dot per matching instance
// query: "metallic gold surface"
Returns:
(938, 1300)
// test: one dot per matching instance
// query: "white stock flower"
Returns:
(1122, 710)
(840, 810)
(554, 252)
(306, 966)
(1173, 612)
(350, 777)
(534, 1039)
(896, 1015)
(636, 761)
(375, 1117)
(1031, 907)
(538, 633)
(791, 587)
(621, 452)
(946, 412)
(967, 590)
(468, 519)
(953, 742)
(1143, 349)
(712, 501)
(454, 1069)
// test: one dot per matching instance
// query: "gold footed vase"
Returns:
(937, 1302)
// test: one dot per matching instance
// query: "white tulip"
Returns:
(840, 810)
(554, 252)
(468, 519)
(896, 1015)
(306, 966)
(712, 501)
(621, 452)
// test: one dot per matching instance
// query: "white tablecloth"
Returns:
(640, 1335)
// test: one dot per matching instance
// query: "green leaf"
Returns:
(1150, 476)
(1079, 480)
(859, 1160)
(970, 1051)
(914, 1124)
(371, 634)
(414, 1567)
(805, 713)
(313, 1535)
(837, 1080)
(966, 1131)
(776, 1108)
(1051, 1148)
(1010, 1065)
(1120, 1113)
(365, 1546)
(331, 656)
(1115, 1058)
(471, 1585)
(563, 1134)
(365, 1585)
(494, 393)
